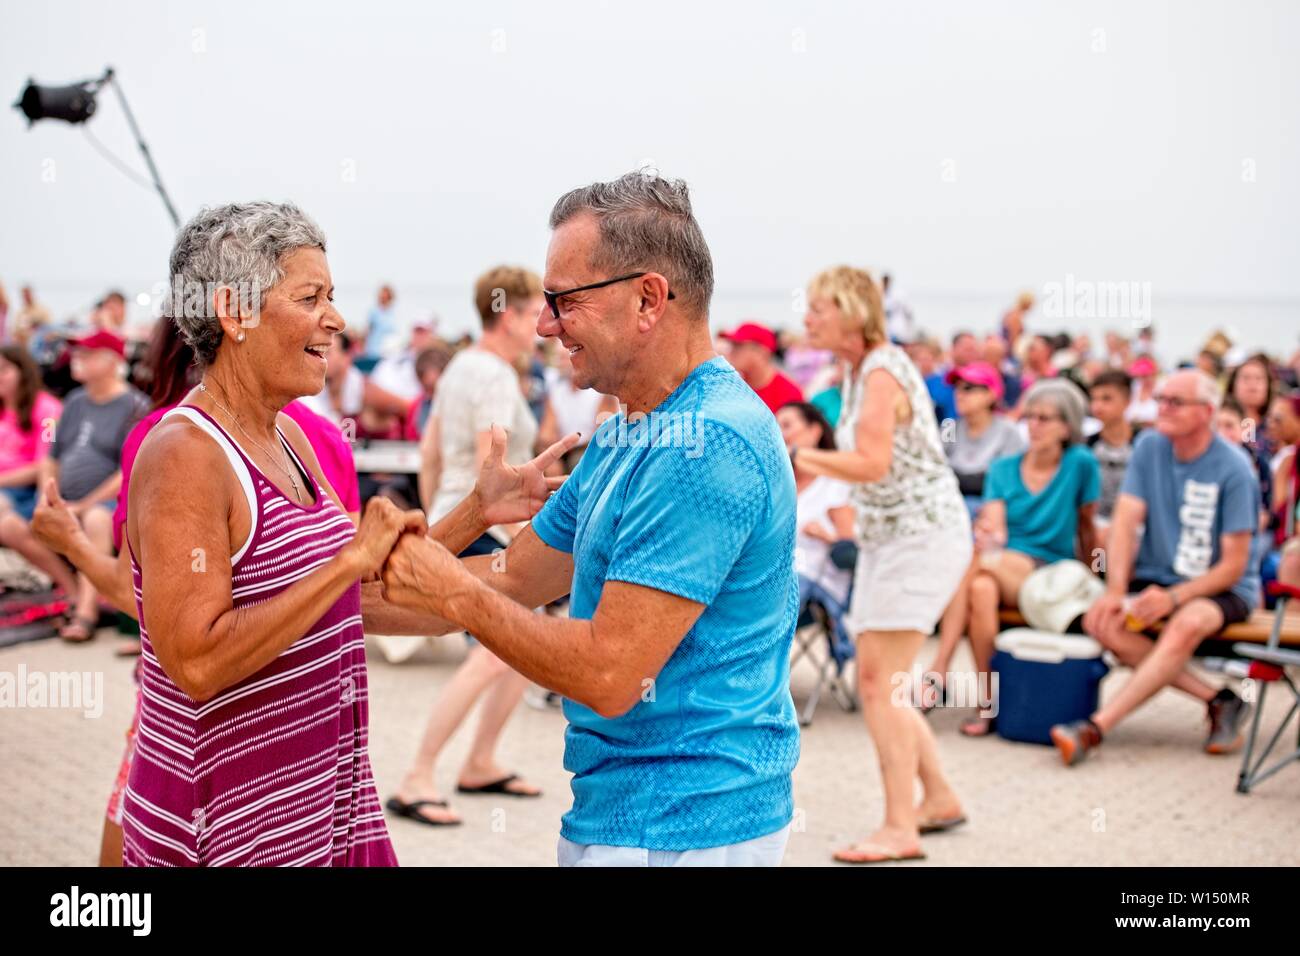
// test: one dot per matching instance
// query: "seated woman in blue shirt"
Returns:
(1037, 506)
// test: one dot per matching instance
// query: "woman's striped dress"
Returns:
(274, 770)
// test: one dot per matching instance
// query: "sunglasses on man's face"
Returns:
(553, 298)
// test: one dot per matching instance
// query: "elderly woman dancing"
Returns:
(252, 745)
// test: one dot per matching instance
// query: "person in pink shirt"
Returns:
(27, 417)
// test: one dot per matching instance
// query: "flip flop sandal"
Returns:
(127, 648)
(85, 623)
(411, 811)
(879, 853)
(990, 725)
(501, 786)
(936, 825)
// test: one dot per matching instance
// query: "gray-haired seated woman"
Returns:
(1038, 508)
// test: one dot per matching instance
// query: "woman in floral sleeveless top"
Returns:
(914, 544)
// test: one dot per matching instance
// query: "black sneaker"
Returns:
(1228, 714)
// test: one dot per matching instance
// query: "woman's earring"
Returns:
(239, 337)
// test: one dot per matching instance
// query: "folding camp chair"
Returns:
(1268, 665)
(815, 628)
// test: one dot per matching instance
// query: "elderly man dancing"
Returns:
(675, 536)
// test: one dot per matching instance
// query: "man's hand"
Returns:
(507, 494)
(1153, 604)
(420, 573)
(54, 522)
(1103, 611)
(381, 525)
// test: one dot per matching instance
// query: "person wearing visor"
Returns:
(981, 434)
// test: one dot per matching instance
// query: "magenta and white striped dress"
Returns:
(274, 770)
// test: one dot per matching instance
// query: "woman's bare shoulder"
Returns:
(176, 447)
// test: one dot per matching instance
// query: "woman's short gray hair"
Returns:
(1065, 398)
(646, 223)
(240, 245)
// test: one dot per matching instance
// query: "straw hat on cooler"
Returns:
(1054, 595)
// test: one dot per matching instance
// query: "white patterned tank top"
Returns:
(919, 493)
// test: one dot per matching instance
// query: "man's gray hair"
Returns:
(1207, 390)
(240, 245)
(645, 223)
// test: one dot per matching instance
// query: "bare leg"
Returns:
(110, 844)
(481, 765)
(1133, 647)
(1288, 572)
(98, 525)
(473, 676)
(1165, 663)
(938, 799)
(15, 534)
(953, 626)
(884, 658)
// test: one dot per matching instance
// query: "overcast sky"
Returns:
(969, 147)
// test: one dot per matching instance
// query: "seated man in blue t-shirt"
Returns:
(675, 536)
(1195, 502)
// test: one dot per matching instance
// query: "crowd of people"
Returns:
(648, 590)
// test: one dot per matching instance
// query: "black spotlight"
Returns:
(76, 104)
(72, 104)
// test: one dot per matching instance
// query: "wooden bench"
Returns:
(1254, 630)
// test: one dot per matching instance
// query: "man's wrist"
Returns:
(463, 599)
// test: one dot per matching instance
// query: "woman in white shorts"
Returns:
(914, 544)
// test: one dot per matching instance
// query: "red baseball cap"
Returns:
(101, 340)
(753, 332)
(978, 373)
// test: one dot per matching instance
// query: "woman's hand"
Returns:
(381, 525)
(509, 494)
(815, 529)
(54, 522)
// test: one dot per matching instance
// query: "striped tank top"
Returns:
(274, 770)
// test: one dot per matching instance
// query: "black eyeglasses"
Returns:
(552, 298)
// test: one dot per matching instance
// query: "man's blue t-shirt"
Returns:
(1044, 525)
(1189, 505)
(696, 499)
